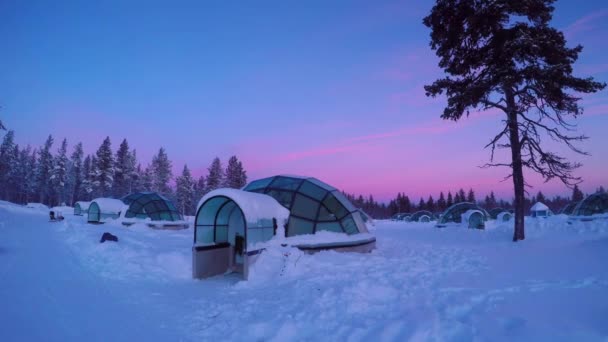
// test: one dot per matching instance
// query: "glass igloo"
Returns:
(464, 213)
(143, 205)
(594, 204)
(313, 205)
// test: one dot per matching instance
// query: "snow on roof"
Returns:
(36, 205)
(539, 206)
(110, 205)
(255, 206)
(83, 205)
(466, 216)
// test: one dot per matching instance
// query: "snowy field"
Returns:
(58, 283)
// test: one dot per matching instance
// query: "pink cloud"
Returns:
(596, 110)
(586, 23)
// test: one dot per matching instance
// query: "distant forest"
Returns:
(38, 175)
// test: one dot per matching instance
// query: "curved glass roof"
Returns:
(568, 209)
(150, 204)
(417, 215)
(494, 212)
(313, 205)
(593, 204)
(454, 213)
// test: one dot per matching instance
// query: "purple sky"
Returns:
(330, 90)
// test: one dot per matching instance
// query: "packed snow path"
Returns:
(422, 283)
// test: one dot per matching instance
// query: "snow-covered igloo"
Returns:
(539, 209)
(81, 208)
(102, 209)
(463, 213)
(229, 229)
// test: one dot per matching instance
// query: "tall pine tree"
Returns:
(105, 168)
(185, 192)
(441, 203)
(45, 170)
(122, 170)
(504, 55)
(60, 173)
(236, 176)
(161, 173)
(215, 179)
(76, 173)
(6, 156)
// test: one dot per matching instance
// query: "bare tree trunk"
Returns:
(517, 168)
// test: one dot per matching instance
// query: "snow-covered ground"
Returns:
(58, 283)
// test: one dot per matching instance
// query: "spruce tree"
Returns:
(493, 203)
(21, 174)
(461, 196)
(421, 204)
(122, 170)
(138, 178)
(215, 179)
(59, 176)
(86, 191)
(200, 188)
(234, 174)
(134, 172)
(471, 196)
(161, 173)
(6, 156)
(504, 55)
(450, 201)
(430, 204)
(14, 173)
(577, 194)
(441, 203)
(45, 170)
(540, 197)
(185, 192)
(76, 173)
(147, 179)
(105, 168)
(95, 175)
(31, 185)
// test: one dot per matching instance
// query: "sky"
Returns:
(332, 90)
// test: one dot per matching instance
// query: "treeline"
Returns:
(38, 175)
(403, 204)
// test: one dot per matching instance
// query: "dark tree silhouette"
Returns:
(503, 55)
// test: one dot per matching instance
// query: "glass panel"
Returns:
(259, 184)
(204, 235)
(206, 214)
(321, 184)
(283, 197)
(224, 213)
(312, 190)
(305, 207)
(298, 226)
(286, 183)
(221, 234)
(358, 218)
(345, 202)
(329, 226)
(349, 225)
(325, 215)
(334, 206)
